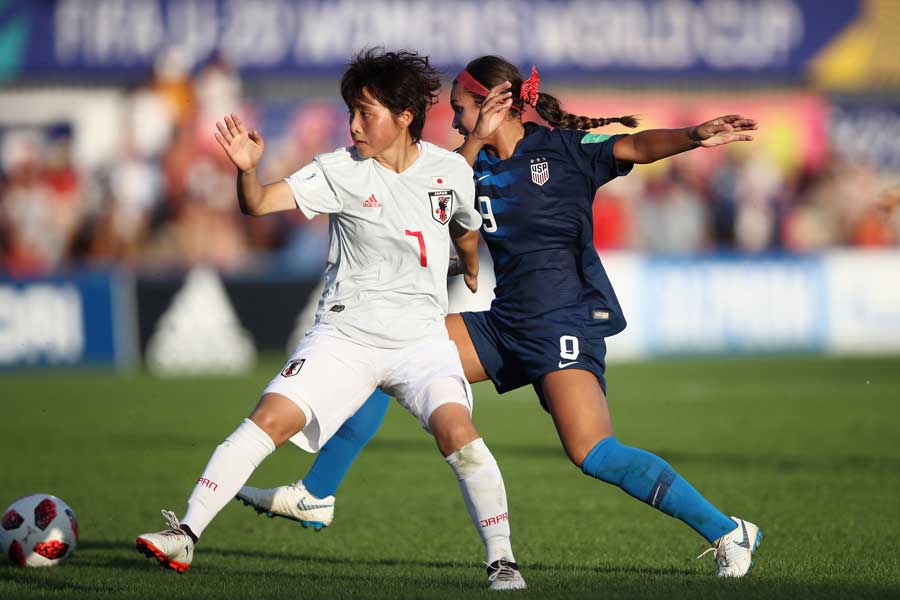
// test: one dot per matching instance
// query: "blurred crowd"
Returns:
(747, 204)
(167, 200)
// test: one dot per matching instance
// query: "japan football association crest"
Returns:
(293, 367)
(441, 205)
(540, 172)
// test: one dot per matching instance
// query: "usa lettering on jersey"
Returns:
(540, 172)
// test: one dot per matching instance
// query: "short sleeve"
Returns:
(312, 192)
(593, 153)
(464, 213)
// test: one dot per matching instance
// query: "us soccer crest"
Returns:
(293, 367)
(540, 172)
(441, 205)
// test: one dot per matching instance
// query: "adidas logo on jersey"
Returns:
(371, 202)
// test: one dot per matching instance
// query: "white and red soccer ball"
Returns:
(38, 531)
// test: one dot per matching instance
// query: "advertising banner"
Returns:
(203, 323)
(84, 319)
(841, 302)
(863, 301)
(122, 38)
(733, 305)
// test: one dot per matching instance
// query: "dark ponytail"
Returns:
(549, 109)
(492, 70)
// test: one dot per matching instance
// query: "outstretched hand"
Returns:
(493, 110)
(723, 130)
(243, 147)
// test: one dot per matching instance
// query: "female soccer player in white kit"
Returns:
(394, 203)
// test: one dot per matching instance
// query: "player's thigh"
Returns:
(580, 412)
(426, 376)
(329, 377)
(459, 333)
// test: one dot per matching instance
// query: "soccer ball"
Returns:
(38, 531)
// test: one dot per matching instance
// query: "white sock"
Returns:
(228, 469)
(482, 487)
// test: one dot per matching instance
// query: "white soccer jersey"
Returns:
(386, 278)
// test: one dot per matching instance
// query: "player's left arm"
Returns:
(466, 243)
(653, 144)
(464, 224)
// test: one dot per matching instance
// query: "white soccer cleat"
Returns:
(173, 548)
(504, 575)
(734, 550)
(292, 502)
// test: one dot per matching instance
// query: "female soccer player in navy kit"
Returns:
(534, 188)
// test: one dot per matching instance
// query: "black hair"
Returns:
(399, 80)
(493, 70)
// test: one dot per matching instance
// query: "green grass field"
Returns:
(805, 447)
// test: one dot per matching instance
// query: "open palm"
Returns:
(243, 147)
(724, 130)
(493, 111)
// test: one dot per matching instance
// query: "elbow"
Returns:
(638, 156)
(251, 210)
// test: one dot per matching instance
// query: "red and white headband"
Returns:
(529, 91)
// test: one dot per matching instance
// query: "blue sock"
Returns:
(336, 456)
(650, 479)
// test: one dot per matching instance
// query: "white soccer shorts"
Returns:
(330, 375)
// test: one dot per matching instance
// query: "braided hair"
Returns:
(493, 70)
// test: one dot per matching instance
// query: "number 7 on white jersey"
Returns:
(423, 256)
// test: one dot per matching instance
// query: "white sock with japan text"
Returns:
(485, 497)
(230, 466)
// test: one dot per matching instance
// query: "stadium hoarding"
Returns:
(205, 322)
(863, 299)
(122, 38)
(73, 320)
(729, 305)
(837, 302)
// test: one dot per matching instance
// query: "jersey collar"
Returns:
(408, 170)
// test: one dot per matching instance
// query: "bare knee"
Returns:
(578, 449)
(268, 422)
(452, 439)
(452, 428)
(279, 417)
(579, 409)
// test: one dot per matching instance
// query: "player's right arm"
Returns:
(245, 148)
(491, 114)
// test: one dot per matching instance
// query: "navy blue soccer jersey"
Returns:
(538, 226)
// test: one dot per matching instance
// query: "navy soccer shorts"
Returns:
(516, 356)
